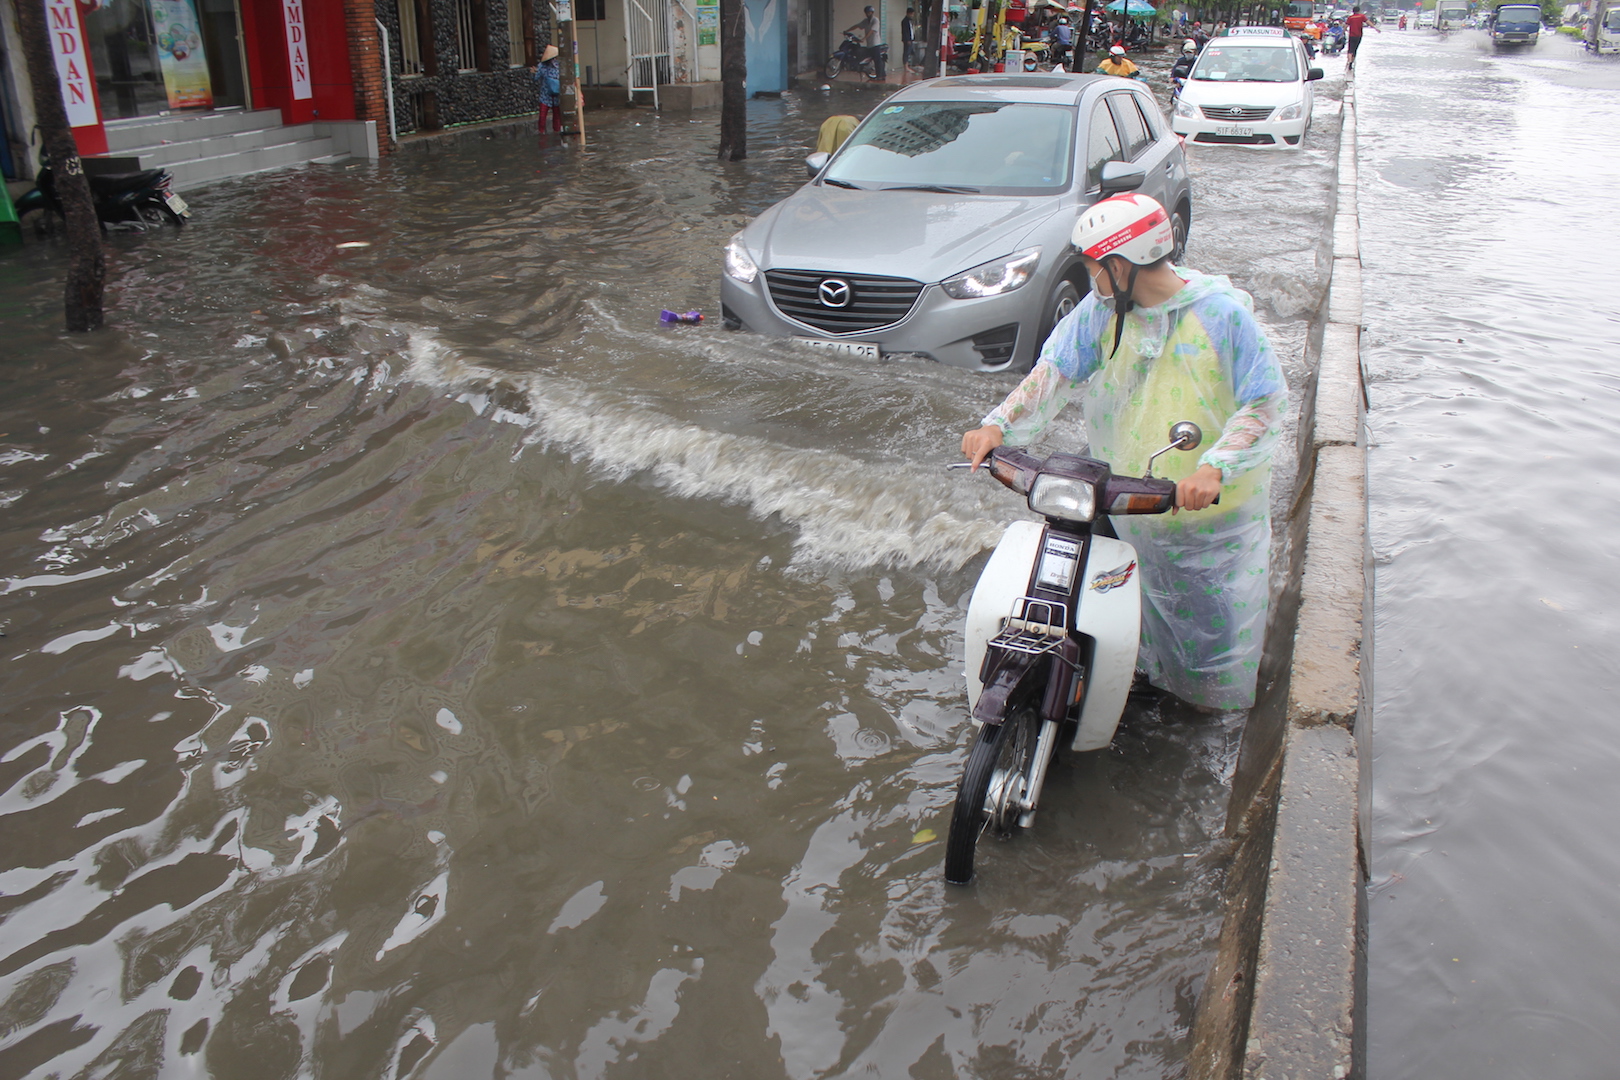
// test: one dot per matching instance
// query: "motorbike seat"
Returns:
(122, 183)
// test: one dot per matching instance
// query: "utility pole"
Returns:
(87, 265)
(568, 47)
(733, 83)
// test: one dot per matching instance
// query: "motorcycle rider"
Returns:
(1117, 64)
(1151, 344)
(1062, 41)
(1184, 63)
(871, 39)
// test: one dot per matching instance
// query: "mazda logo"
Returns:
(834, 293)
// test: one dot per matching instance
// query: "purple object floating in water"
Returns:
(668, 316)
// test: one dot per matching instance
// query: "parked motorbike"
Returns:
(139, 199)
(1052, 633)
(855, 56)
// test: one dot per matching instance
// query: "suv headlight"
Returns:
(1061, 497)
(1186, 108)
(995, 277)
(1291, 112)
(739, 264)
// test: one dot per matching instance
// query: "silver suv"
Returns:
(941, 227)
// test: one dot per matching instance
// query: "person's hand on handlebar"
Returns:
(977, 444)
(1196, 492)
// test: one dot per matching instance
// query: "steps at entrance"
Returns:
(212, 146)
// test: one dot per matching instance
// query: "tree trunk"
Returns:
(733, 83)
(933, 38)
(1081, 41)
(87, 266)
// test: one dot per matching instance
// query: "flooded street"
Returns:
(1487, 191)
(419, 663)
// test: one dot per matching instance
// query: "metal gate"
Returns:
(647, 32)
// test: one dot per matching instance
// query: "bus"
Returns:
(1300, 17)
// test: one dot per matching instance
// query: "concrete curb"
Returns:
(1305, 972)
(1280, 1000)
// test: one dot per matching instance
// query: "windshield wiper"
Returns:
(941, 188)
(842, 184)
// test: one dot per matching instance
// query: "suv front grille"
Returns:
(1261, 139)
(1235, 114)
(873, 301)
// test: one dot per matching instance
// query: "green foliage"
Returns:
(1552, 12)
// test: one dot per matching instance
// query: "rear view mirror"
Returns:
(1118, 176)
(815, 163)
(1313, 74)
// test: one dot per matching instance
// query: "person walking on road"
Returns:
(872, 38)
(1357, 23)
(908, 38)
(1152, 344)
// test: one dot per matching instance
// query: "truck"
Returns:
(1515, 25)
(1603, 29)
(1450, 15)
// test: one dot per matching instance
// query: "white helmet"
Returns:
(1117, 50)
(1189, 46)
(1134, 227)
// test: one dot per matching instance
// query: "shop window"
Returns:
(472, 35)
(590, 10)
(520, 32)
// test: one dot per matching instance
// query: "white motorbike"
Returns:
(1052, 633)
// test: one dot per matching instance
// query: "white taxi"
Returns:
(1251, 87)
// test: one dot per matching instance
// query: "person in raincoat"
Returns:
(548, 75)
(1117, 64)
(1152, 344)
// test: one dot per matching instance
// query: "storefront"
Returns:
(160, 56)
(125, 61)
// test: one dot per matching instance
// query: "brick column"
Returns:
(366, 56)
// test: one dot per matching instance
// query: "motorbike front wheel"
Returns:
(835, 64)
(993, 787)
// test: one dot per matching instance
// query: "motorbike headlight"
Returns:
(1291, 112)
(1185, 108)
(995, 277)
(739, 264)
(1061, 497)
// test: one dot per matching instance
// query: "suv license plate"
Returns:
(863, 349)
(176, 203)
(1242, 132)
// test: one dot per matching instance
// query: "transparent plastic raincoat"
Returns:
(1199, 356)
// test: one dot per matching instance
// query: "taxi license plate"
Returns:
(863, 349)
(1228, 129)
(176, 203)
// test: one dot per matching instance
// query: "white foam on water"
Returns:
(849, 513)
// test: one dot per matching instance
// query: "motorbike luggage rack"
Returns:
(1035, 626)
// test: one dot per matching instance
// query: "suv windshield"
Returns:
(1246, 63)
(998, 148)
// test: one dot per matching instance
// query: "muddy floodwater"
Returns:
(1487, 187)
(419, 663)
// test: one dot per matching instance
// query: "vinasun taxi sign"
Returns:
(72, 70)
